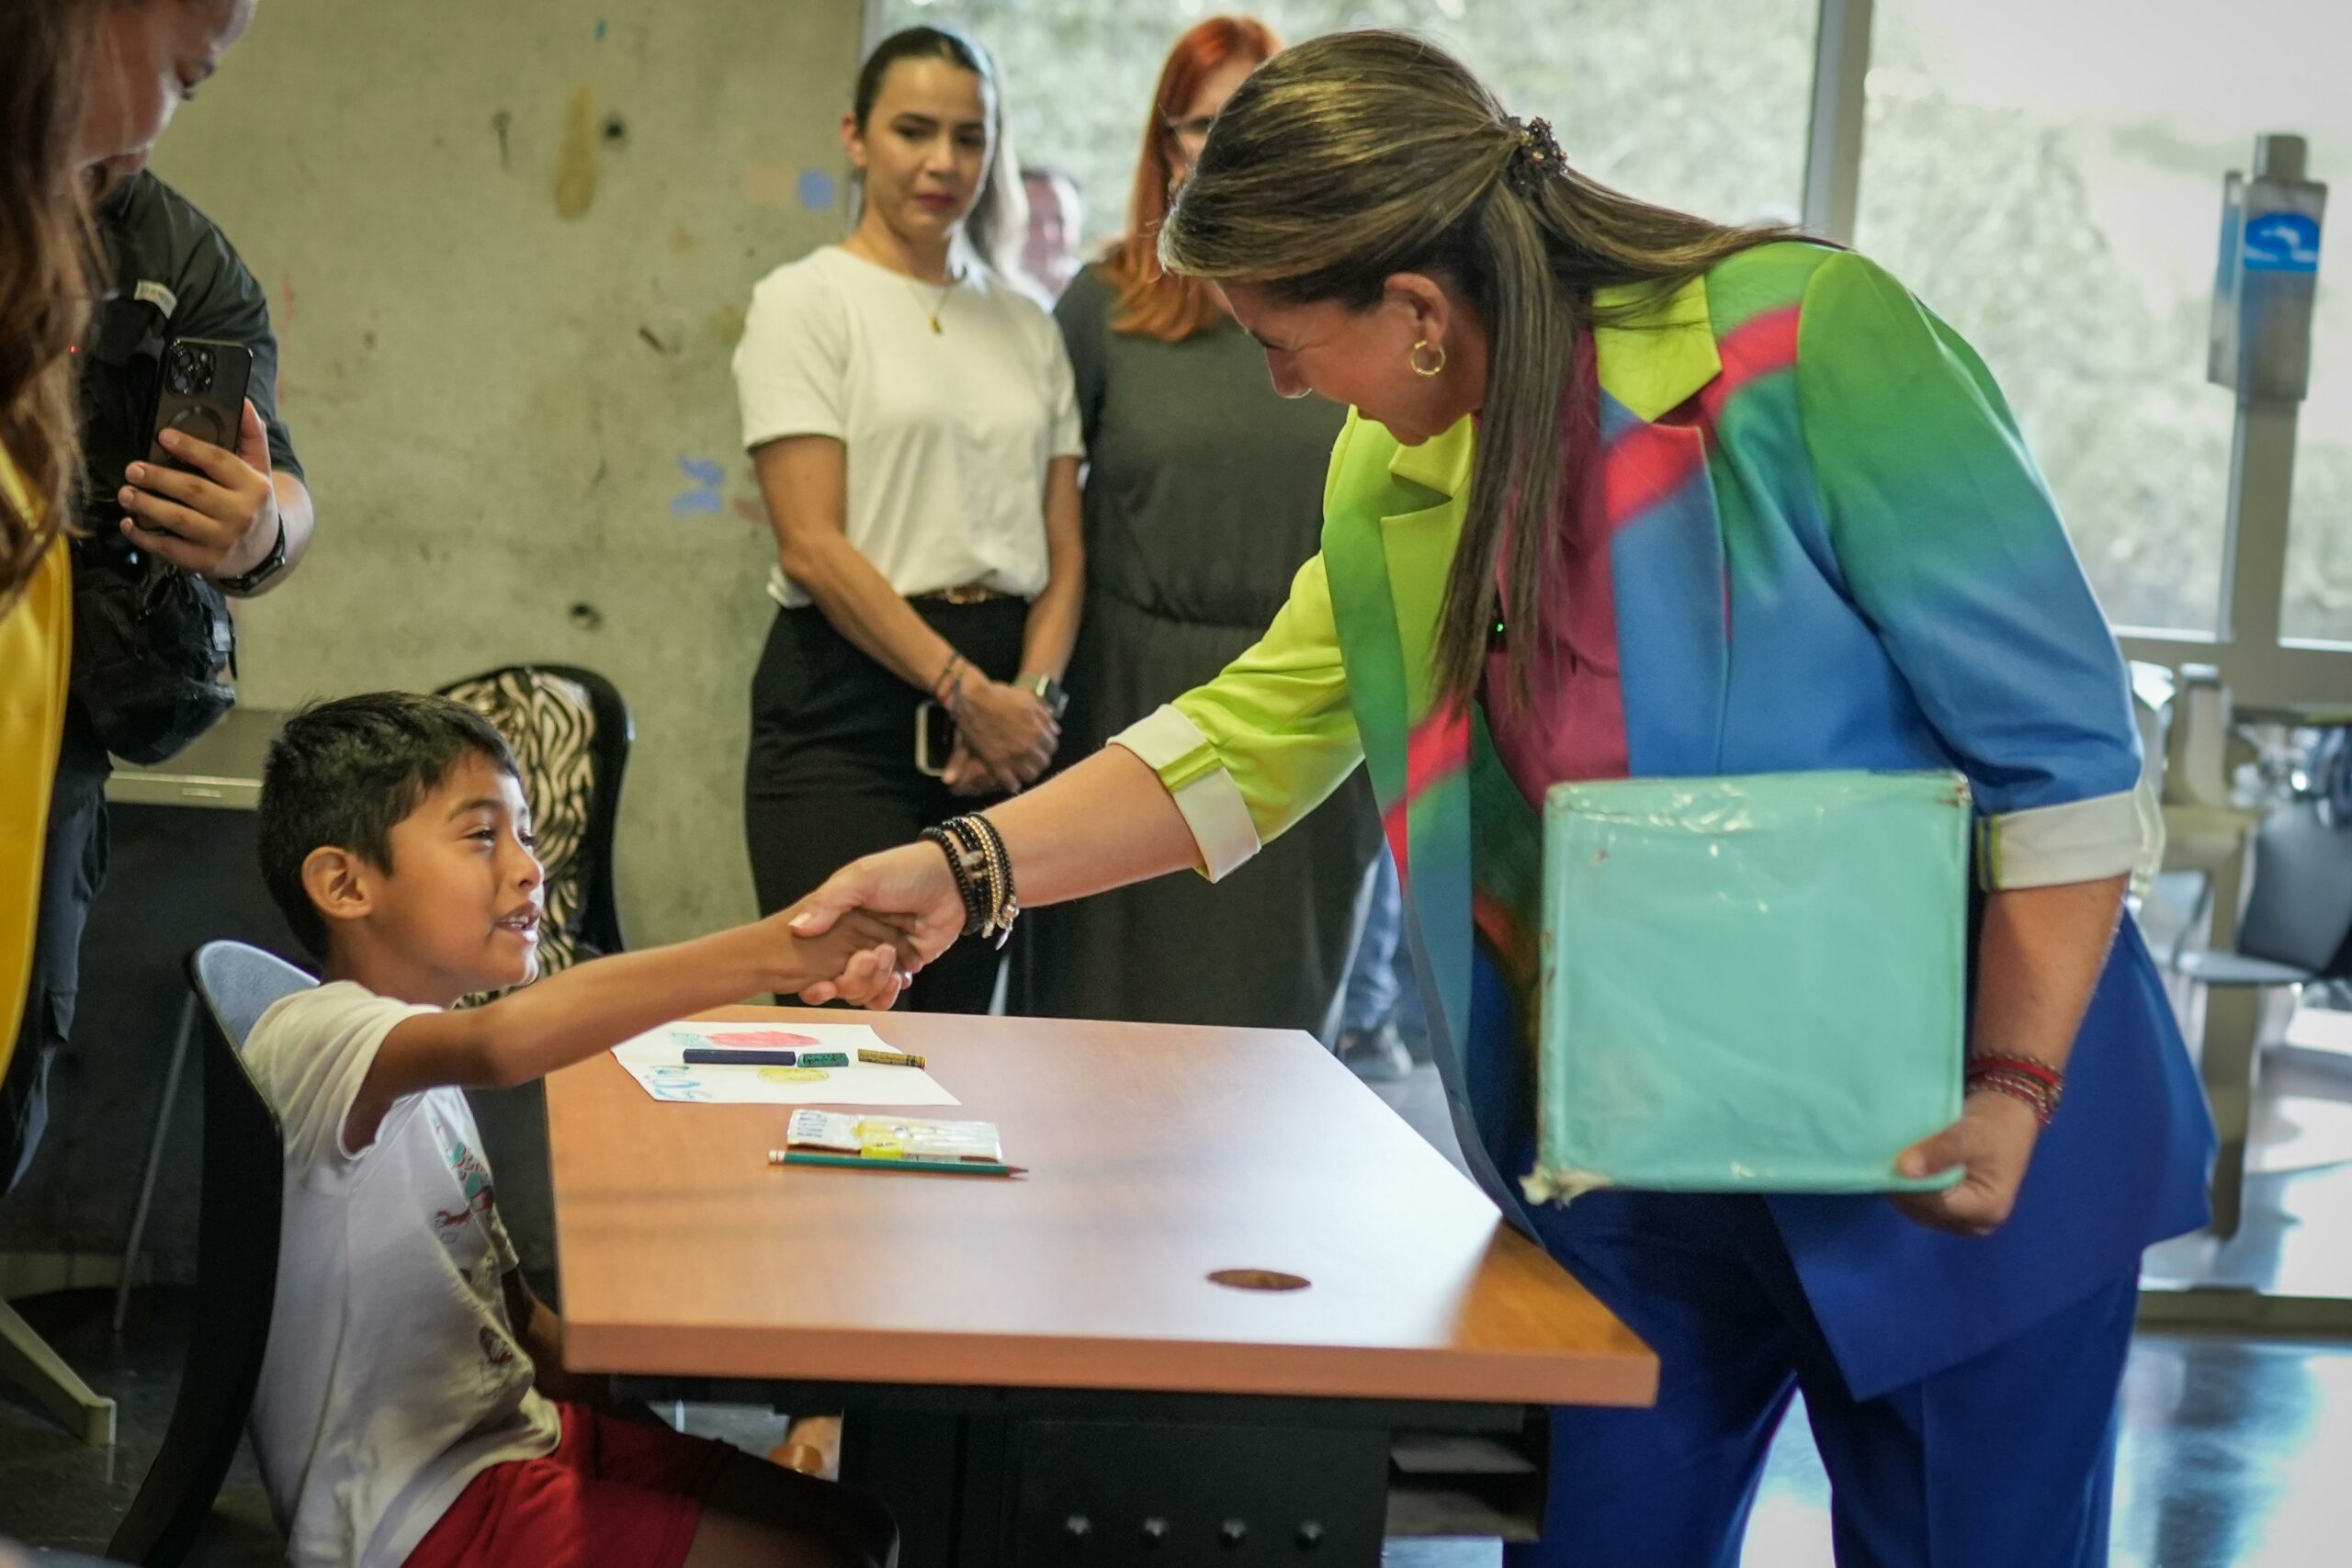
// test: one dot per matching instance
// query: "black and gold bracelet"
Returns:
(976, 904)
(1008, 905)
(984, 871)
(984, 875)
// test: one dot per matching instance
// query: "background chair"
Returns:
(236, 1280)
(572, 732)
(2297, 916)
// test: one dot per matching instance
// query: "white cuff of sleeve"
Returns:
(1212, 804)
(2081, 840)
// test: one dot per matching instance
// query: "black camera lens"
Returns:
(188, 371)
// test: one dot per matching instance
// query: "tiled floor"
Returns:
(2236, 1453)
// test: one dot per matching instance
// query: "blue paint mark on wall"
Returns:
(817, 190)
(704, 499)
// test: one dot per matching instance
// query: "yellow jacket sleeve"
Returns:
(36, 629)
(1264, 744)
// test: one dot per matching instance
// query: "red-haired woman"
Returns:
(1203, 496)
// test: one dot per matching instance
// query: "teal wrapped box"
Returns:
(1750, 983)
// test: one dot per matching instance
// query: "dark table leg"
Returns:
(1042, 1478)
(1041, 1489)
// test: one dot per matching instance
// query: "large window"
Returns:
(2047, 176)
(2058, 202)
(2317, 604)
(1692, 103)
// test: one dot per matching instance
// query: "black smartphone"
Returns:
(201, 393)
(935, 738)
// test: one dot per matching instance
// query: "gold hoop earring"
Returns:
(1414, 358)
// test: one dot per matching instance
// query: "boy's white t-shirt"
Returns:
(947, 434)
(393, 1376)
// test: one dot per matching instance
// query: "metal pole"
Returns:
(2262, 475)
(1833, 161)
(155, 1162)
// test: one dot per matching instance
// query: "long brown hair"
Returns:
(1355, 156)
(1153, 301)
(46, 258)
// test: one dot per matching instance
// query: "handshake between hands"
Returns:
(862, 937)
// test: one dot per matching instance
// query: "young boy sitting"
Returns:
(413, 1408)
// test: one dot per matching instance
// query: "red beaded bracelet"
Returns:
(2037, 1085)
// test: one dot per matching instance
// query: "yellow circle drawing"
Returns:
(795, 1075)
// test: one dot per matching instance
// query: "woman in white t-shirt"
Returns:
(912, 418)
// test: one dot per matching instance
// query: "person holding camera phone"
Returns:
(912, 418)
(192, 494)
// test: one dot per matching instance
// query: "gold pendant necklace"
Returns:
(932, 314)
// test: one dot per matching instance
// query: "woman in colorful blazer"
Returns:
(1628, 492)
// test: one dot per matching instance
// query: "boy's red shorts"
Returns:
(615, 1493)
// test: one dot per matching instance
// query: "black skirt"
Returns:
(831, 774)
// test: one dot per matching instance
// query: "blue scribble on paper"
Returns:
(817, 190)
(708, 474)
(675, 1083)
(599, 30)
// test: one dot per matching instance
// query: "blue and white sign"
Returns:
(2281, 241)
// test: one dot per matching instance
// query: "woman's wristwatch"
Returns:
(271, 565)
(1046, 690)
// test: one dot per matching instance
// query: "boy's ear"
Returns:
(337, 883)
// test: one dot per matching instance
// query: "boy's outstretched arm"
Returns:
(570, 1017)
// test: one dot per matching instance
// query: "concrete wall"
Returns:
(508, 247)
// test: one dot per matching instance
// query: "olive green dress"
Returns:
(1203, 496)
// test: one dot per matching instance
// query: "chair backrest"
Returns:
(2298, 910)
(572, 732)
(236, 1266)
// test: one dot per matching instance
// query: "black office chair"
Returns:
(236, 1266)
(2298, 920)
(2298, 910)
(572, 731)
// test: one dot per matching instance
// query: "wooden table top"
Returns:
(1158, 1155)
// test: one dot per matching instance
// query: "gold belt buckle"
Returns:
(965, 593)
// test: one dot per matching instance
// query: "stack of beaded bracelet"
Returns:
(2037, 1084)
(983, 872)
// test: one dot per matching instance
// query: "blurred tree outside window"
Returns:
(2048, 178)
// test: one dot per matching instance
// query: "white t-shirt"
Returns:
(393, 1376)
(948, 434)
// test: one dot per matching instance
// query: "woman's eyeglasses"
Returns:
(1194, 130)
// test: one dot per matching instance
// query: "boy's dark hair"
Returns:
(342, 774)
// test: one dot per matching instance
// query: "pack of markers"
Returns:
(908, 1138)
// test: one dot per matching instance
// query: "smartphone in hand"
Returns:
(935, 738)
(202, 394)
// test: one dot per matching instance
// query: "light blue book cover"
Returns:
(1750, 983)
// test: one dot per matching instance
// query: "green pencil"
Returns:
(867, 1162)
